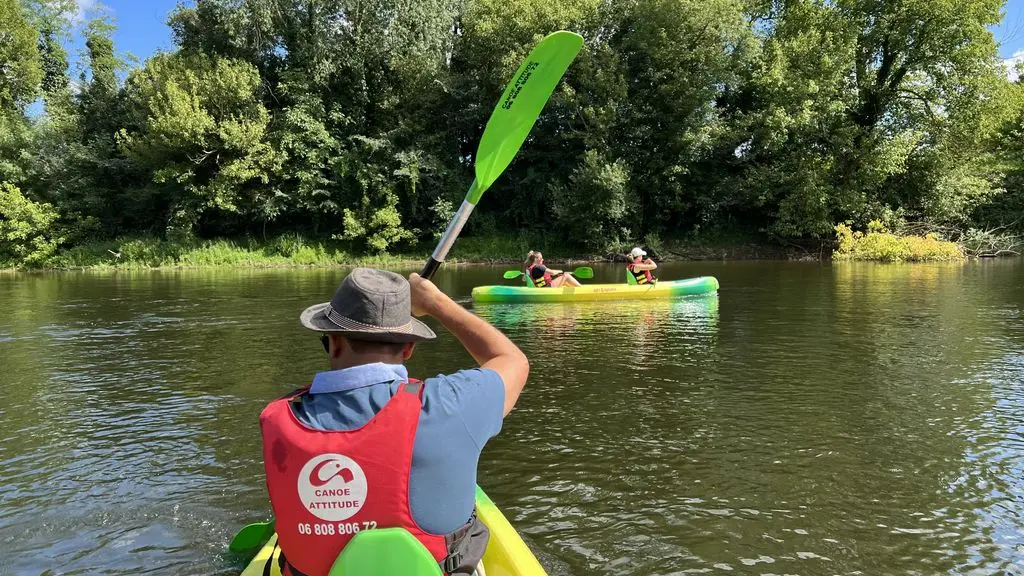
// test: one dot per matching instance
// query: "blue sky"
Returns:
(142, 25)
(1010, 34)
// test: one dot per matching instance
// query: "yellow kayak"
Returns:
(507, 554)
(597, 292)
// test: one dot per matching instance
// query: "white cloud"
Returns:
(81, 8)
(1011, 64)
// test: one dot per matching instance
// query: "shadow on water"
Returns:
(810, 419)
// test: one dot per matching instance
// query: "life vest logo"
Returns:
(332, 487)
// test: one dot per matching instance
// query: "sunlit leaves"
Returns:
(202, 127)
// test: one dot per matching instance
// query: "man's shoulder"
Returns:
(472, 376)
(475, 396)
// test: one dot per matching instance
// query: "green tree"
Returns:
(1006, 210)
(52, 19)
(852, 102)
(594, 205)
(20, 67)
(202, 134)
(492, 39)
(28, 230)
(20, 74)
(74, 161)
(98, 99)
(351, 86)
(56, 83)
(678, 58)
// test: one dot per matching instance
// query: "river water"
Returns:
(810, 419)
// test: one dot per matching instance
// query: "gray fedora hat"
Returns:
(369, 305)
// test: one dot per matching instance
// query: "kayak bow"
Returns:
(506, 555)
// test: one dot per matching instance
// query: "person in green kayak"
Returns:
(638, 269)
(543, 277)
(365, 446)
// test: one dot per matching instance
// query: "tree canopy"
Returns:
(358, 120)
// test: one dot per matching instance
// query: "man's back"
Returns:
(410, 451)
(460, 413)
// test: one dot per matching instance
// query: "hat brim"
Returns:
(316, 319)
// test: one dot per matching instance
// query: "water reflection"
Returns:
(644, 319)
(594, 336)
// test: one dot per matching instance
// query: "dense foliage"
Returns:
(357, 121)
(882, 245)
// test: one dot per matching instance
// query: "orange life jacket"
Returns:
(542, 282)
(641, 276)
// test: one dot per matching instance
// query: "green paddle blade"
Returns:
(251, 537)
(511, 274)
(520, 106)
(583, 272)
(511, 121)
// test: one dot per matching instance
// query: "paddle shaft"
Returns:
(450, 234)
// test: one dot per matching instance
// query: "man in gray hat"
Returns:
(366, 446)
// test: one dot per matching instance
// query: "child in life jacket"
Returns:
(638, 270)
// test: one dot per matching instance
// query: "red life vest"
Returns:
(327, 486)
(541, 282)
(642, 276)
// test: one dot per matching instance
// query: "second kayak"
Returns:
(506, 555)
(593, 292)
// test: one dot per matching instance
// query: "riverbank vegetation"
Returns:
(133, 253)
(884, 246)
(352, 127)
(284, 250)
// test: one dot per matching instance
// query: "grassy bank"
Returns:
(292, 250)
(283, 251)
(295, 251)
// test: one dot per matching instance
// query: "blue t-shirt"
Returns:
(460, 413)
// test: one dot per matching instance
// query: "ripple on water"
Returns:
(809, 420)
